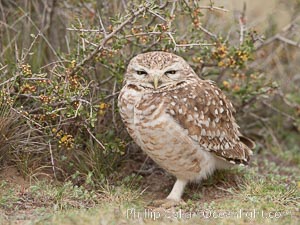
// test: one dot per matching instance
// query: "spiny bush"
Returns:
(62, 80)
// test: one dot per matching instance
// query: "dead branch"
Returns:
(279, 36)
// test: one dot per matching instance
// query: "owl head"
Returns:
(158, 70)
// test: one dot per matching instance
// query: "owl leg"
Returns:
(174, 198)
(177, 190)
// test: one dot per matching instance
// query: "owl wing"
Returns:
(204, 111)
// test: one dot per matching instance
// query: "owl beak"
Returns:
(155, 82)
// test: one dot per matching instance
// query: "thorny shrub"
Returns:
(61, 81)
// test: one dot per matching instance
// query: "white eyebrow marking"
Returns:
(175, 66)
(139, 67)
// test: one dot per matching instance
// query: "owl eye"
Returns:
(170, 72)
(141, 72)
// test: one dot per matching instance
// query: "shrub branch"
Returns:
(107, 38)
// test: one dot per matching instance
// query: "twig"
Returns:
(281, 38)
(186, 45)
(8, 26)
(199, 26)
(213, 8)
(110, 96)
(3, 67)
(145, 33)
(84, 30)
(52, 160)
(157, 15)
(172, 14)
(242, 22)
(113, 105)
(286, 101)
(55, 63)
(288, 41)
(124, 5)
(207, 32)
(106, 80)
(93, 136)
(9, 80)
(40, 32)
(76, 112)
(9, 45)
(102, 26)
(30, 47)
(106, 39)
(26, 117)
(278, 111)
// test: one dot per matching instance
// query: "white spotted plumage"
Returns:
(183, 123)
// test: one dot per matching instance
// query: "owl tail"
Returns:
(248, 142)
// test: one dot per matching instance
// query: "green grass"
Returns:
(264, 193)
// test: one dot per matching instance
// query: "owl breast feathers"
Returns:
(182, 122)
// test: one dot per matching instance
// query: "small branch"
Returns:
(157, 15)
(3, 67)
(84, 30)
(52, 160)
(288, 41)
(106, 39)
(144, 34)
(279, 36)
(40, 32)
(213, 8)
(101, 25)
(208, 32)
(30, 47)
(186, 45)
(172, 16)
(93, 136)
(113, 105)
(199, 26)
(242, 22)
(9, 80)
(124, 5)
(26, 117)
(111, 96)
(194, 44)
(106, 80)
(278, 111)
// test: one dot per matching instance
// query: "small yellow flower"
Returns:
(103, 105)
(221, 64)
(244, 57)
(73, 63)
(27, 88)
(64, 138)
(226, 84)
(222, 51)
(196, 59)
(26, 69)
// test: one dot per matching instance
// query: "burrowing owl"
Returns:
(185, 124)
